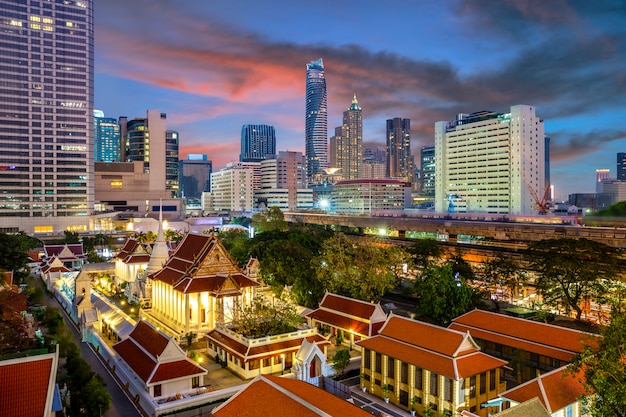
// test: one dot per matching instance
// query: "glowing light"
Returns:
(382, 232)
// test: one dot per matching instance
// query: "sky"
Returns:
(215, 65)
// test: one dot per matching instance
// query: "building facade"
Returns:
(427, 157)
(233, 187)
(148, 141)
(316, 120)
(489, 162)
(602, 174)
(347, 147)
(399, 161)
(107, 142)
(621, 166)
(46, 127)
(283, 182)
(367, 196)
(194, 176)
(257, 141)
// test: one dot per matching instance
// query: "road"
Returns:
(120, 406)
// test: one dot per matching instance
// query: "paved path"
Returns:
(120, 406)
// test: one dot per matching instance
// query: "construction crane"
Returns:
(543, 205)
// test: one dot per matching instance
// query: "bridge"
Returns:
(452, 229)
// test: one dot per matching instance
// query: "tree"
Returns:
(265, 317)
(462, 267)
(604, 370)
(238, 245)
(424, 252)
(14, 249)
(571, 271)
(502, 273)
(341, 359)
(95, 397)
(441, 295)
(270, 219)
(71, 237)
(173, 235)
(365, 268)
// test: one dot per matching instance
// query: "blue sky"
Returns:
(213, 66)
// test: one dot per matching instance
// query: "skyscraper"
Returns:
(427, 157)
(348, 143)
(46, 127)
(602, 175)
(148, 140)
(399, 162)
(257, 141)
(490, 162)
(194, 176)
(621, 166)
(106, 138)
(316, 122)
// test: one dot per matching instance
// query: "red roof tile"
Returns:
(173, 370)
(136, 358)
(348, 305)
(545, 339)
(556, 389)
(24, 387)
(274, 396)
(149, 338)
(342, 322)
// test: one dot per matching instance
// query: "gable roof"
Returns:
(154, 357)
(54, 264)
(66, 252)
(530, 408)
(27, 386)
(555, 389)
(201, 263)
(545, 339)
(274, 396)
(444, 351)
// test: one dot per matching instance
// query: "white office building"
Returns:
(489, 162)
(232, 188)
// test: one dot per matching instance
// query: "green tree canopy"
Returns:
(501, 274)
(571, 271)
(266, 317)
(341, 359)
(615, 210)
(364, 268)
(604, 370)
(14, 249)
(425, 252)
(441, 295)
(238, 245)
(270, 219)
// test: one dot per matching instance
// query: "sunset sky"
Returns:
(213, 66)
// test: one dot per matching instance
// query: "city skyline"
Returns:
(425, 62)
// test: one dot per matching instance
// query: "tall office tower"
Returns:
(427, 157)
(194, 176)
(316, 121)
(106, 138)
(621, 166)
(257, 141)
(348, 143)
(488, 162)
(149, 141)
(399, 163)
(46, 125)
(602, 174)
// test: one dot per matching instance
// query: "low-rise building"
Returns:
(364, 196)
(429, 367)
(531, 347)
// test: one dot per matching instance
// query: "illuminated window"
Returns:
(34, 18)
(69, 24)
(35, 26)
(43, 229)
(116, 184)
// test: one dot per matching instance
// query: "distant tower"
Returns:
(106, 138)
(257, 141)
(621, 166)
(316, 120)
(349, 143)
(399, 162)
(194, 175)
(427, 157)
(148, 140)
(602, 175)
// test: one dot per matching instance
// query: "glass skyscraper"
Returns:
(46, 115)
(257, 141)
(316, 124)
(399, 160)
(349, 143)
(107, 143)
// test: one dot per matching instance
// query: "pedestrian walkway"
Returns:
(375, 405)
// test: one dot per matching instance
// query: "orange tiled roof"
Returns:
(545, 339)
(151, 340)
(24, 388)
(556, 389)
(348, 305)
(275, 396)
(172, 370)
(440, 350)
(342, 322)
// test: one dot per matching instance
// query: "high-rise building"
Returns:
(399, 161)
(233, 187)
(148, 140)
(283, 182)
(621, 166)
(602, 175)
(427, 157)
(348, 143)
(257, 141)
(107, 143)
(316, 120)
(487, 162)
(194, 176)
(46, 126)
